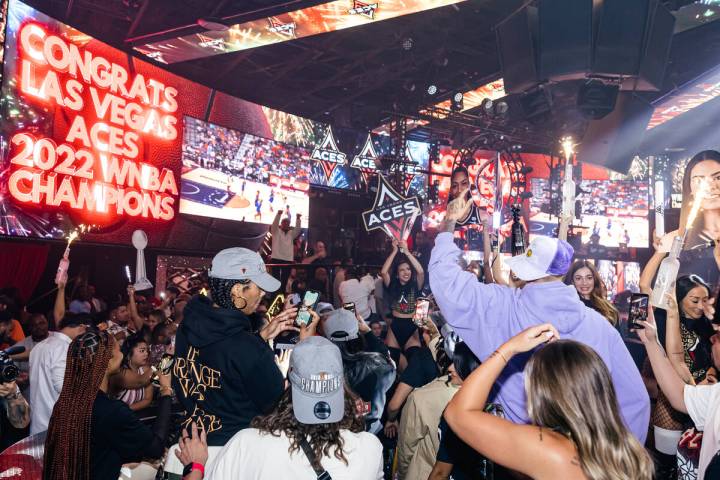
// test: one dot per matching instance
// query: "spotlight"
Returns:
(487, 106)
(596, 100)
(501, 109)
(456, 101)
(407, 43)
(432, 89)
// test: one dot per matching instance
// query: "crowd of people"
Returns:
(243, 155)
(419, 370)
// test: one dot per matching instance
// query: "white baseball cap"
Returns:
(243, 264)
(544, 257)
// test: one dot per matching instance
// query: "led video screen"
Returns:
(619, 277)
(612, 210)
(615, 212)
(237, 176)
(305, 22)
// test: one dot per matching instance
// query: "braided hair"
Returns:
(67, 446)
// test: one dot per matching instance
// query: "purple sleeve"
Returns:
(475, 311)
(632, 396)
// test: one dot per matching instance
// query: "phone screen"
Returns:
(349, 306)
(422, 307)
(309, 302)
(276, 306)
(639, 304)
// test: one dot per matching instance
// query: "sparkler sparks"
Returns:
(568, 147)
(697, 203)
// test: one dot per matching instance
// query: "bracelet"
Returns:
(503, 356)
(190, 467)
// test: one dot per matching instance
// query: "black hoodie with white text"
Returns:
(224, 375)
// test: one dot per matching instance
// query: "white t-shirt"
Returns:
(282, 243)
(252, 455)
(358, 292)
(703, 406)
(47, 374)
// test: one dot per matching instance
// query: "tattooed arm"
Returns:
(18, 410)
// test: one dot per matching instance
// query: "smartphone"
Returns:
(294, 299)
(309, 302)
(639, 304)
(276, 306)
(422, 308)
(349, 306)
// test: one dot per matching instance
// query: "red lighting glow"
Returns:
(95, 167)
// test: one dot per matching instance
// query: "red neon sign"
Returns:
(96, 167)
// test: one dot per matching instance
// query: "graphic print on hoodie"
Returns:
(224, 375)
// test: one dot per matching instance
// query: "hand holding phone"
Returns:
(276, 306)
(309, 302)
(350, 306)
(639, 304)
(422, 308)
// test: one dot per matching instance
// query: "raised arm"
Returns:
(662, 247)
(132, 306)
(667, 378)
(648, 273)
(59, 308)
(527, 449)
(297, 229)
(420, 273)
(674, 344)
(487, 254)
(385, 271)
(276, 222)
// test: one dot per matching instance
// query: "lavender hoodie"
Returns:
(486, 316)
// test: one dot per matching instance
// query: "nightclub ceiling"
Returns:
(355, 73)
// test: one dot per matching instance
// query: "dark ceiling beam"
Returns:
(138, 18)
(380, 79)
(68, 10)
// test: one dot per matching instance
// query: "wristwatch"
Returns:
(190, 467)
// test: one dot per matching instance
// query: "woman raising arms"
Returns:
(403, 286)
(576, 430)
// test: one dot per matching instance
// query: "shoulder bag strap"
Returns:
(321, 473)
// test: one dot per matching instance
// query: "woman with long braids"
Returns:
(591, 289)
(576, 428)
(92, 435)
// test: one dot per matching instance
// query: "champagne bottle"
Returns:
(667, 274)
(568, 201)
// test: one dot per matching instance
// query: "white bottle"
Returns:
(667, 274)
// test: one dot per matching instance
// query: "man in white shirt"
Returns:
(38, 332)
(358, 291)
(316, 401)
(701, 402)
(283, 238)
(47, 369)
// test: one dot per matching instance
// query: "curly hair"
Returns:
(322, 437)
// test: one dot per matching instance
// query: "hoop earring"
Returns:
(236, 305)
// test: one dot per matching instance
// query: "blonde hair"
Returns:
(569, 390)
